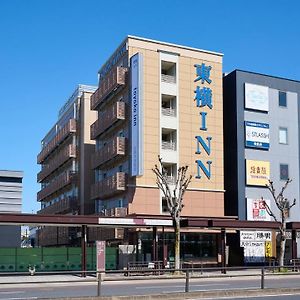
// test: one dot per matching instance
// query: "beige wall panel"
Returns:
(197, 202)
(145, 201)
(190, 122)
(203, 204)
(151, 114)
(183, 51)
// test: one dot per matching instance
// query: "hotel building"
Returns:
(261, 142)
(66, 173)
(156, 98)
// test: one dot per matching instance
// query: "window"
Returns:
(283, 138)
(168, 72)
(168, 105)
(284, 172)
(282, 99)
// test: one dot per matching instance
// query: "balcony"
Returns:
(63, 206)
(61, 135)
(62, 157)
(111, 151)
(109, 187)
(168, 78)
(115, 79)
(168, 145)
(110, 117)
(60, 182)
(115, 212)
(168, 112)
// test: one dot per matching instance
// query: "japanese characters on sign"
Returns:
(254, 244)
(257, 172)
(100, 248)
(257, 135)
(203, 98)
(256, 210)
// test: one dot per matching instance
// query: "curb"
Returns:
(193, 295)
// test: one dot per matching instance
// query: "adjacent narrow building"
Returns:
(66, 173)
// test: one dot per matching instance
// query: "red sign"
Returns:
(100, 246)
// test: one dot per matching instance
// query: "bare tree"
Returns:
(284, 207)
(174, 198)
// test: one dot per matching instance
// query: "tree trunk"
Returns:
(177, 243)
(282, 241)
(282, 251)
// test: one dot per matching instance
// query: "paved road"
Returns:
(143, 287)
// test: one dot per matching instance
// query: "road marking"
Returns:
(180, 286)
(13, 292)
(26, 298)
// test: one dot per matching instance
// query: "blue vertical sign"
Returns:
(137, 143)
(203, 98)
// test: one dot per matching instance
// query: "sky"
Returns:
(49, 47)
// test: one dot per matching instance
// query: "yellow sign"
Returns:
(257, 172)
(268, 249)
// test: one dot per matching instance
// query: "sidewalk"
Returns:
(61, 278)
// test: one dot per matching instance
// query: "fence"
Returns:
(188, 276)
(52, 259)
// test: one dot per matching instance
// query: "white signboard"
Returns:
(253, 243)
(256, 97)
(137, 160)
(257, 135)
(256, 210)
(254, 253)
(254, 236)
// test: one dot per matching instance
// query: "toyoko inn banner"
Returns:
(257, 135)
(257, 172)
(256, 97)
(137, 148)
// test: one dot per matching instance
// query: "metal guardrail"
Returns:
(186, 273)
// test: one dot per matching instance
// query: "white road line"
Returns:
(180, 286)
(13, 292)
(27, 298)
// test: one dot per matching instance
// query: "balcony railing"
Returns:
(110, 117)
(168, 112)
(51, 236)
(64, 205)
(69, 128)
(62, 157)
(60, 182)
(115, 212)
(168, 145)
(113, 149)
(115, 79)
(168, 78)
(171, 179)
(109, 187)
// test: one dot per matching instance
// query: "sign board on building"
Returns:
(256, 97)
(254, 243)
(254, 236)
(136, 63)
(100, 250)
(268, 249)
(256, 210)
(257, 135)
(257, 172)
